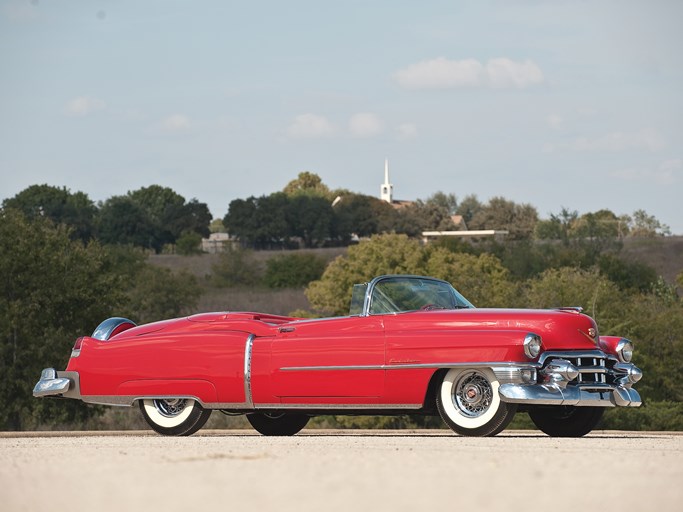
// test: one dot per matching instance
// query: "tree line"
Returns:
(150, 217)
(307, 213)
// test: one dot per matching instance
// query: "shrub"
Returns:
(189, 243)
(293, 270)
(236, 268)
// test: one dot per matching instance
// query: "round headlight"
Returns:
(625, 351)
(532, 345)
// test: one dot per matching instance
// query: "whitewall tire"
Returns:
(468, 401)
(174, 416)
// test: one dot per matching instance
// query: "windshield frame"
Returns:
(460, 301)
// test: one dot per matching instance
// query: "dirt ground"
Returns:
(339, 470)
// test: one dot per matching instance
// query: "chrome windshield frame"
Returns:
(367, 302)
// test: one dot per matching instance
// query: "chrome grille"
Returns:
(594, 367)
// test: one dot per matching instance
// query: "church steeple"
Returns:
(386, 189)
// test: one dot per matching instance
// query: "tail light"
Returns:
(76, 351)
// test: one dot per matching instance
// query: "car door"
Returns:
(329, 361)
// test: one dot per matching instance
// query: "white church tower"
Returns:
(386, 189)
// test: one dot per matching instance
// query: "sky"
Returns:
(556, 103)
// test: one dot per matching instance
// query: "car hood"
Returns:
(560, 329)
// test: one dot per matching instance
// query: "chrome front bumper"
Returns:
(60, 384)
(541, 394)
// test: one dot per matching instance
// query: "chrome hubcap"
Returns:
(472, 394)
(170, 407)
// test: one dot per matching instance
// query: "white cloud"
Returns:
(175, 123)
(406, 131)
(667, 173)
(310, 126)
(84, 105)
(505, 73)
(442, 73)
(365, 125)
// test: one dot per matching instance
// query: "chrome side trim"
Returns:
(420, 366)
(129, 400)
(357, 407)
(247, 371)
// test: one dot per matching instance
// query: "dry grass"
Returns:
(263, 300)
(260, 299)
(200, 265)
(664, 254)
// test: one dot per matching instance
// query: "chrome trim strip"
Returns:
(129, 400)
(369, 407)
(413, 366)
(248, 348)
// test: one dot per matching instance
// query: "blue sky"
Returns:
(560, 103)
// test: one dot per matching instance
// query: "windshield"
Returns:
(400, 294)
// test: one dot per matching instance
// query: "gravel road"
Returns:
(339, 471)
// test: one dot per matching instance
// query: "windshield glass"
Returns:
(399, 294)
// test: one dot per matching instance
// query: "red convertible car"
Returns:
(410, 345)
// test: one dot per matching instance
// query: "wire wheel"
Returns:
(472, 394)
(469, 403)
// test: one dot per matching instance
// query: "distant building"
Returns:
(386, 191)
(460, 231)
(217, 243)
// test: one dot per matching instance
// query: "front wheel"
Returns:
(277, 423)
(174, 416)
(468, 402)
(566, 421)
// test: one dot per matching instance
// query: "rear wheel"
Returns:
(174, 416)
(468, 401)
(277, 423)
(566, 421)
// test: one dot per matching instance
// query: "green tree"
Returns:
(482, 279)
(597, 295)
(447, 202)
(633, 276)
(170, 215)
(311, 218)
(558, 226)
(122, 221)
(382, 254)
(76, 210)
(643, 224)
(260, 222)
(656, 328)
(308, 184)
(52, 290)
(468, 208)
(157, 293)
(189, 243)
(499, 213)
(363, 216)
(429, 215)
